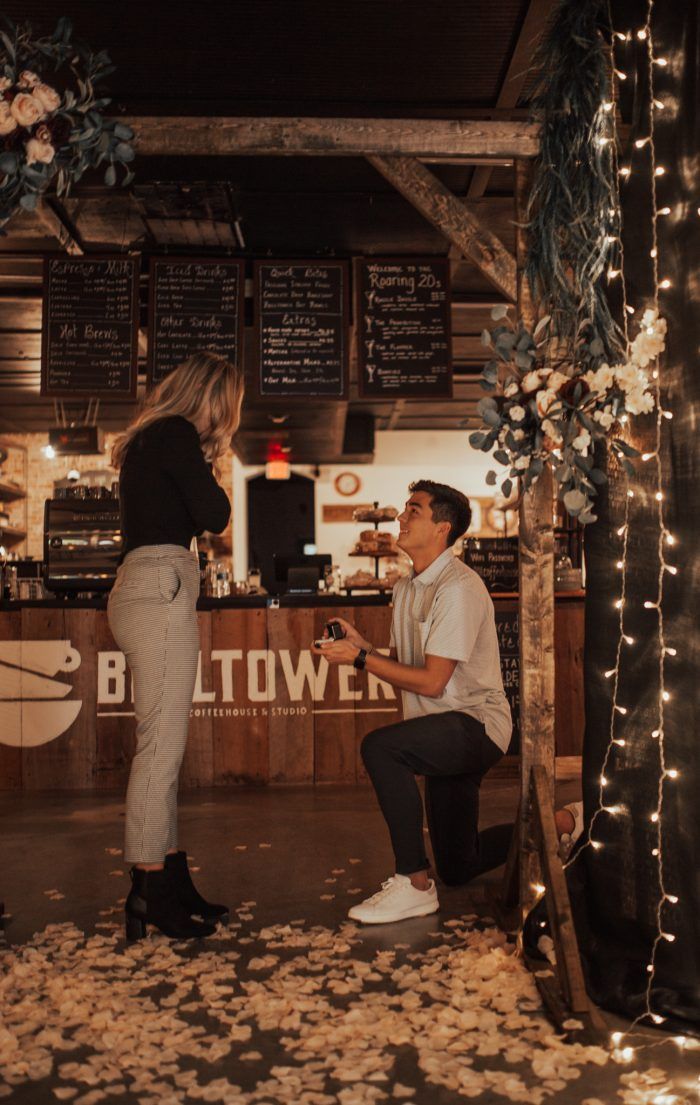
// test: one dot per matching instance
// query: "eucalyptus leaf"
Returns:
(476, 440)
(8, 162)
(501, 456)
(574, 501)
(523, 360)
(490, 478)
(486, 404)
(625, 447)
(499, 311)
(486, 338)
(28, 201)
(598, 476)
(506, 488)
(110, 176)
(491, 417)
(124, 152)
(628, 466)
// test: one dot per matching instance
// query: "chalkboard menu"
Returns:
(301, 328)
(496, 561)
(403, 326)
(194, 304)
(509, 644)
(89, 341)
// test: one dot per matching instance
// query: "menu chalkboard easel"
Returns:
(301, 311)
(403, 326)
(90, 320)
(194, 303)
(508, 631)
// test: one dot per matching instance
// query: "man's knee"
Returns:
(377, 744)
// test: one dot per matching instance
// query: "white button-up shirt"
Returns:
(446, 611)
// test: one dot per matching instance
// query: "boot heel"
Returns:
(135, 928)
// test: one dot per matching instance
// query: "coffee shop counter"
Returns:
(264, 711)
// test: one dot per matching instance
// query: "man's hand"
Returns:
(338, 652)
(351, 633)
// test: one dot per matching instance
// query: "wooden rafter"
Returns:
(444, 210)
(58, 228)
(192, 136)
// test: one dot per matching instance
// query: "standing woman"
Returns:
(168, 493)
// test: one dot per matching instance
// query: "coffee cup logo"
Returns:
(31, 712)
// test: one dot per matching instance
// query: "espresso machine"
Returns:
(82, 539)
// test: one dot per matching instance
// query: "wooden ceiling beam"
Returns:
(58, 228)
(218, 136)
(447, 213)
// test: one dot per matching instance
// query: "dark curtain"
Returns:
(616, 888)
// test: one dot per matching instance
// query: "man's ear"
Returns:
(444, 528)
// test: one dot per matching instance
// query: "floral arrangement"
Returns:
(543, 410)
(49, 130)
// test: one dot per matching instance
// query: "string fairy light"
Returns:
(664, 916)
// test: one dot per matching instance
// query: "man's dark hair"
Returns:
(447, 505)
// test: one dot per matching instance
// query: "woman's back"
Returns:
(167, 492)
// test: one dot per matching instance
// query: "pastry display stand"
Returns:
(372, 556)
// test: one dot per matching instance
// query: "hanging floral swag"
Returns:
(52, 133)
(544, 410)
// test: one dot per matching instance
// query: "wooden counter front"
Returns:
(265, 711)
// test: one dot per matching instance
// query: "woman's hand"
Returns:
(351, 634)
(338, 652)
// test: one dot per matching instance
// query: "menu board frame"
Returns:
(299, 262)
(112, 393)
(402, 393)
(171, 259)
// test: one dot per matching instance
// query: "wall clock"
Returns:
(347, 483)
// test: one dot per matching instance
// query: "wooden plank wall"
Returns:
(265, 711)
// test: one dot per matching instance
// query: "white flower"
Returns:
(581, 443)
(650, 340)
(28, 79)
(638, 401)
(557, 380)
(47, 97)
(26, 109)
(518, 434)
(510, 390)
(603, 418)
(8, 123)
(545, 399)
(39, 151)
(602, 379)
(522, 462)
(551, 431)
(629, 377)
(516, 413)
(530, 382)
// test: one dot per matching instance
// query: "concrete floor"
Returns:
(62, 842)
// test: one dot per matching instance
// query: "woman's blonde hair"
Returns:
(207, 382)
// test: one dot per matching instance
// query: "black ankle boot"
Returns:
(154, 900)
(190, 898)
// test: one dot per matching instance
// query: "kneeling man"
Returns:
(445, 660)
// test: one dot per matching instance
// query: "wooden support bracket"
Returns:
(444, 210)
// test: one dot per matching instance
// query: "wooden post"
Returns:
(536, 603)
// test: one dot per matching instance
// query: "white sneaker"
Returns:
(397, 900)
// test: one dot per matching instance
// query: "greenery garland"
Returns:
(571, 383)
(52, 133)
(573, 213)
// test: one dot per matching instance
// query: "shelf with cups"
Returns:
(13, 496)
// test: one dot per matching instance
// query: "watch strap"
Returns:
(360, 660)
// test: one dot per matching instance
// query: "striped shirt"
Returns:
(447, 611)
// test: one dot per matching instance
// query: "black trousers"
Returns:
(454, 753)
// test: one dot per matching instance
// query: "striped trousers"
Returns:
(152, 612)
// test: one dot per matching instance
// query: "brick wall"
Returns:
(43, 471)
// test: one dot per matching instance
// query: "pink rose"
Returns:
(43, 133)
(28, 79)
(26, 109)
(39, 151)
(5, 83)
(47, 97)
(8, 123)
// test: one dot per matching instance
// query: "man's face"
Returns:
(417, 529)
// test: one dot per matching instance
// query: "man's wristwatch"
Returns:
(360, 660)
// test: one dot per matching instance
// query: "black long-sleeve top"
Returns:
(167, 491)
